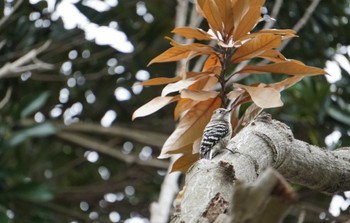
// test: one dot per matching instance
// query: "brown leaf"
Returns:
(226, 11)
(175, 87)
(256, 46)
(159, 81)
(233, 95)
(183, 105)
(154, 105)
(198, 95)
(286, 83)
(205, 83)
(240, 8)
(213, 16)
(179, 52)
(284, 33)
(250, 113)
(248, 22)
(191, 126)
(192, 33)
(290, 67)
(273, 55)
(264, 97)
(184, 162)
(212, 64)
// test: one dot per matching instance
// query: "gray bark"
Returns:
(210, 192)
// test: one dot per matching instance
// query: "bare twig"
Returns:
(20, 66)
(5, 18)
(7, 97)
(147, 137)
(159, 212)
(301, 23)
(66, 212)
(274, 14)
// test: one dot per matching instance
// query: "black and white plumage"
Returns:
(216, 134)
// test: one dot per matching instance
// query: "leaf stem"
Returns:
(225, 61)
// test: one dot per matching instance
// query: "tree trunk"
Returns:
(242, 184)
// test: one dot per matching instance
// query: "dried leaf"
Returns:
(284, 33)
(154, 105)
(179, 52)
(250, 113)
(233, 95)
(191, 126)
(198, 95)
(291, 67)
(273, 55)
(184, 162)
(226, 10)
(183, 105)
(248, 22)
(240, 8)
(212, 64)
(181, 84)
(256, 46)
(196, 146)
(264, 97)
(288, 82)
(191, 33)
(213, 16)
(159, 81)
(205, 83)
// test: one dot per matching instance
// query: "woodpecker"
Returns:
(216, 134)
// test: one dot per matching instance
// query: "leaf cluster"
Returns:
(236, 42)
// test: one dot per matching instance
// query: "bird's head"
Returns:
(222, 114)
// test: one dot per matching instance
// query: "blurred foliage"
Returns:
(45, 177)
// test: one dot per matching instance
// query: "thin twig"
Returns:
(5, 18)
(301, 23)
(66, 212)
(274, 14)
(7, 97)
(20, 66)
(97, 146)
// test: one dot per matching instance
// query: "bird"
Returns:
(216, 134)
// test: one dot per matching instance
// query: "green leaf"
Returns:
(38, 130)
(31, 191)
(339, 115)
(35, 105)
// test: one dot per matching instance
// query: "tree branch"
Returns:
(147, 137)
(268, 142)
(264, 143)
(97, 146)
(5, 18)
(160, 210)
(301, 23)
(19, 66)
(274, 14)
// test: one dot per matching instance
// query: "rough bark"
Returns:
(211, 185)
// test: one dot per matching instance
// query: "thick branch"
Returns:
(262, 144)
(269, 142)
